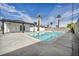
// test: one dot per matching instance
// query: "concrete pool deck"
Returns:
(12, 41)
(62, 46)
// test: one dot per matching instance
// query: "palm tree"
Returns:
(58, 17)
(39, 22)
(51, 23)
(35, 23)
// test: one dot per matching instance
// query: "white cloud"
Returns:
(59, 6)
(66, 14)
(7, 7)
(69, 13)
(1, 17)
(12, 9)
(64, 24)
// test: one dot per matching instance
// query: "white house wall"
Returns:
(15, 27)
(6, 28)
(27, 27)
(35, 29)
(42, 29)
(12, 27)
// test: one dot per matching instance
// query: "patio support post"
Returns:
(23, 27)
(2, 26)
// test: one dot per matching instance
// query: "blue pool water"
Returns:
(45, 36)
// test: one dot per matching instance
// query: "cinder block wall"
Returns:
(0, 24)
(76, 40)
(77, 29)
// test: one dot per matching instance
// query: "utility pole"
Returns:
(72, 12)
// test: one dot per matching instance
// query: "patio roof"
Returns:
(16, 21)
(19, 21)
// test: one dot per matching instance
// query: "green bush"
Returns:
(71, 25)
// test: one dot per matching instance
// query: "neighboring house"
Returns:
(15, 26)
(12, 26)
(42, 28)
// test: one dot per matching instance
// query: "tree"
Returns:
(58, 17)
(35, 23)
(39, 22)
(71, 26)
(51, 23)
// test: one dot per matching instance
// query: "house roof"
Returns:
(16, 21)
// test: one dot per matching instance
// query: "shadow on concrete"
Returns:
(59, 47)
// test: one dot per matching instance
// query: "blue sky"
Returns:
(29, 12)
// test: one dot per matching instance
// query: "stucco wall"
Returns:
(12, 27)
(77, 29)
(27, 27)
(0, 25)
(15, 27)
(35, 29)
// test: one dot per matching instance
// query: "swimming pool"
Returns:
(46, 36)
